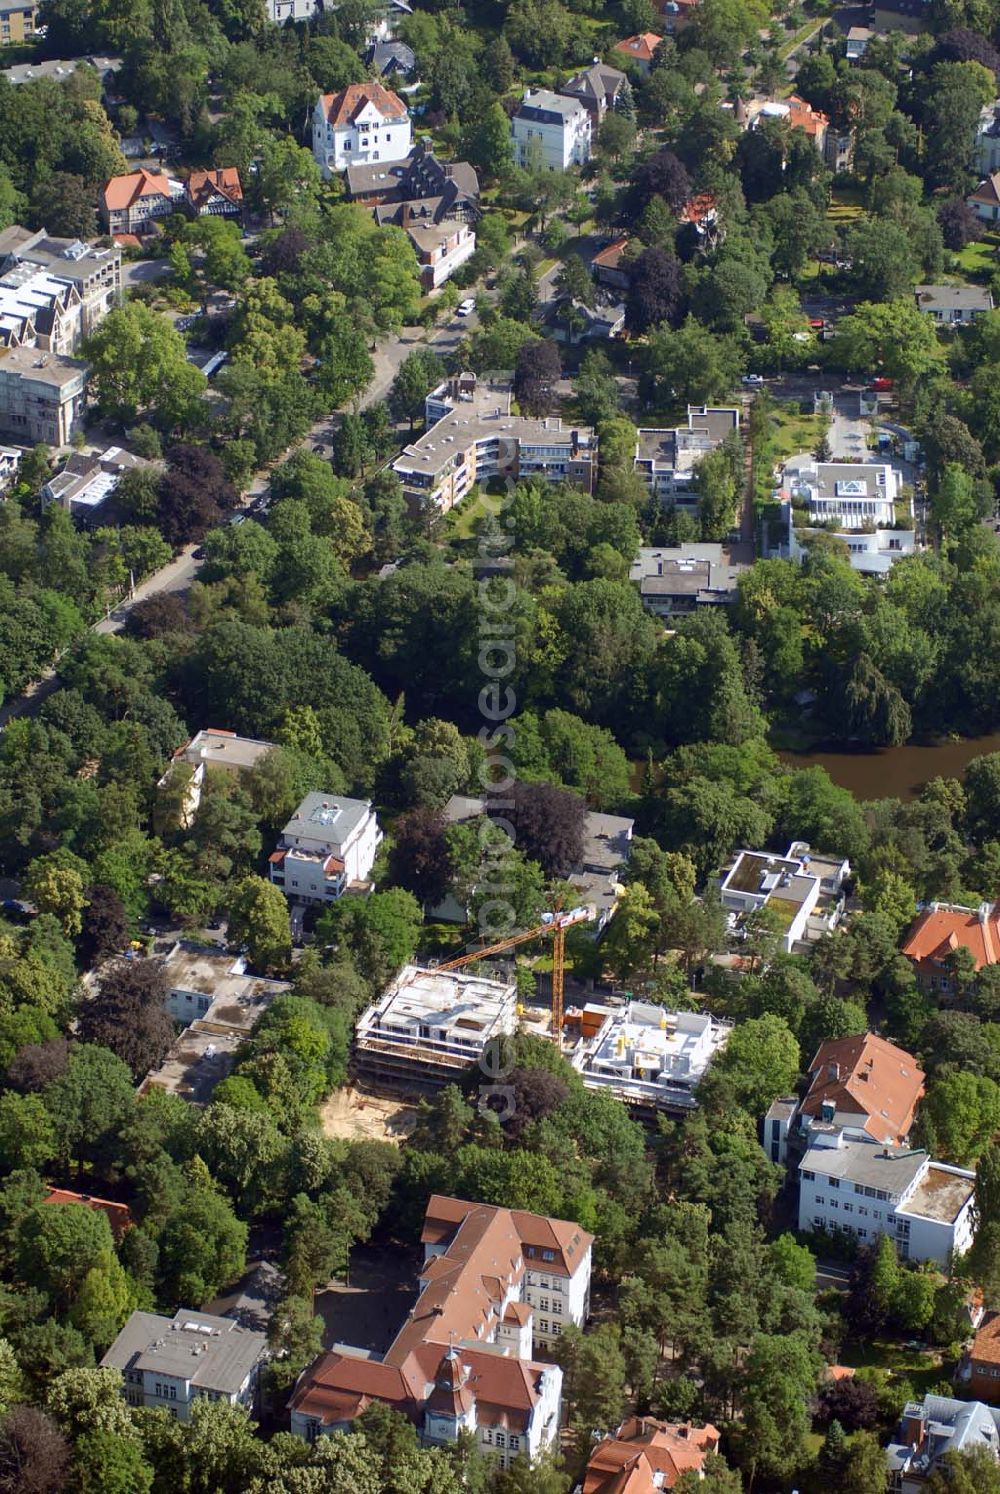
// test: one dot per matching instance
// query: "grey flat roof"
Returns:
(941, 1194)
(212, 1353)
(42, 368)
(224, 749)
(606, 837)
(868, 1163)
(963, 297)
(327, 819)
(484, 416)
(541, 104)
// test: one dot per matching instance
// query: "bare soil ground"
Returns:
(369, 1309)
(352, 1115)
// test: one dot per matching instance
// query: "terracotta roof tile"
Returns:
(641, 46)
(342, 108)
(223, 181)
(647, 1456)
(942, 928)
(118, 1215)
(866, 1075)
(121, 191)
(986, 1344)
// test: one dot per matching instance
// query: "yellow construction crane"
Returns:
(554, 924)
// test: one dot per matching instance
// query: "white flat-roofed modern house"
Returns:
(552, 129)
(212, 748)
(476, 438)
(329, 843)
(167, 1363)
(804, 888)
(363, 123)
(430, 1027)
(851, 1182)
(666, 459)
(861, 502)
(42, 396)
(650, 1057)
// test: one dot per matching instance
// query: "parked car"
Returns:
(882, 384)
(752, 381)
(466, 307)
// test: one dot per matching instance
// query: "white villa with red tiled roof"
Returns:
(361, 124)
(492, 1280)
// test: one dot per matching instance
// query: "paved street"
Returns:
(178, 575)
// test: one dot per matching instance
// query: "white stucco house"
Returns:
(359, 125)
(329, 843)
(862, 503)
(551, 129)
(850, 1181)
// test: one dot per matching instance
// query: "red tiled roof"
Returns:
(939, 930)
(609, 257)
(121, 191)
(222, 181)
(641, 47)
(866, 1075)
(988, 190)
(462, 1290)
(986, 1344)
(277, 857)
(803, 116)
(647, 1456)
(697, 208)
(117, 1215)
(343, 107)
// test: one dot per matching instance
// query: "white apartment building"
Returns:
(861, 502)
(212, 748)
(492, 1283)
(167, 1363)
(430, 1027)
(94, 269)
(667, 459)
(851, 1182)
(329, 843)
(477, 438)
(551, 130)
(359, 125)
(804, 889)
(650, 1057)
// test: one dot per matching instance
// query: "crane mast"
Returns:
(556, 926)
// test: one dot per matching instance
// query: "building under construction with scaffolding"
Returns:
(431, 1027)
(650, 1058)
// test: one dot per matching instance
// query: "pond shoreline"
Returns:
(893, 772)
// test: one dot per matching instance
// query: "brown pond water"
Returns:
(895, 772)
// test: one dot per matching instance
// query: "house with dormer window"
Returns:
(359, 125)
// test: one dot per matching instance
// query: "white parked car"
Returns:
(467, 307)
(753, 381)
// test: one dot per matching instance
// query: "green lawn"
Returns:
(978, 261)
(463, 520)
(793, 433)
(921, 1369)
(846, 204)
